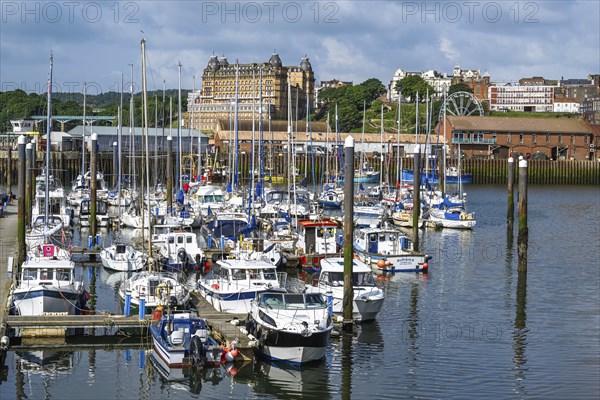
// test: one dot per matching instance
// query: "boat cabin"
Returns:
(332, 273)
(384, 241)
(316, 239)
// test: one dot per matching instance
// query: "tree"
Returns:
(410, 85)
(374, 88)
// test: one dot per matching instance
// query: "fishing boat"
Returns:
(183, 340)
(47, 284)
(102, 218)
(368, 298)
(180, 250)
(388, 250)
(317, 239)
(291, 327)
(157, 288)
(50, 198)
(232, 284)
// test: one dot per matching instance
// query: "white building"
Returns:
(514, 97)
(566, 105)
(398, 76)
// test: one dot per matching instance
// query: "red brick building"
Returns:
(498, 137)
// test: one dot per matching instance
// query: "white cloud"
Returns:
(446, 47)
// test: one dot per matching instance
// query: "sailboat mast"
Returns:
(83, 135)
(261, 132)
(362, 150)
(145, 113)
(132, 149)
(235, 127)
(398, 171)
(48, 133)
(155, 140)
(179, 166)
(381, 155)
(119, 155)
(252, 158)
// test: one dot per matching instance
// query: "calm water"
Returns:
(472, 328)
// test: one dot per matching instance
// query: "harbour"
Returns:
(540, 337)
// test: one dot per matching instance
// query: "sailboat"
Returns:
(157, 288)
(120, 256)
(47, 281)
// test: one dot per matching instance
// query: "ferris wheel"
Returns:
(462, 104)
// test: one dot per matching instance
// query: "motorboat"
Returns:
(158, 289)
(317, 238)
(231, 285)
(47, 284)
(292, 327)
(367, 299)
(387, 249)
(122, 257)
(183, 340)
(180, 250)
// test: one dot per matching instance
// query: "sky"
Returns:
(96, 41)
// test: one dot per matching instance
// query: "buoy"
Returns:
(215, 286)
(380, 263)
(425, 267)
(388, 263)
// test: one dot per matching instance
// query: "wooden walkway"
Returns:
(222, 328)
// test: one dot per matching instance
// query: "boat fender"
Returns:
(462, 216)
(215, 286)
(160, 289)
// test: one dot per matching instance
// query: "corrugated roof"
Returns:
(300, 137)
(139, 131)
(508, 124)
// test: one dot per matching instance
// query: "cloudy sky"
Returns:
(95, 41)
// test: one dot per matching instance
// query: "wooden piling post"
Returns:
(416, 198)
(523, 236)
(28, 182)
(169, 173)
(510, 213)
(348, 300)
(93, 161)
(21, 199)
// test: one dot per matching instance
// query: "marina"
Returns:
(472, 301)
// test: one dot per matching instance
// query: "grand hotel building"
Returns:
(216, 99)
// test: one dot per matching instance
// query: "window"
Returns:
(534, 138)
(508, 139)
(547, 138)
(572, 139)
(559, 139)
(521, 138)
(586, 139)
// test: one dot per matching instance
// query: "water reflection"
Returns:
(39, 369)
(520, 332)
(188, 379)
(288, 381)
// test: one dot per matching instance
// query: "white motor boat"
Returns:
(232, 284)
(158, 288)
(47, 284)
(292, 327)
(368, 298)
(388, 250)
(122, 257)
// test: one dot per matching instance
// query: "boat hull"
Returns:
(398, 263)
(41, 300)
